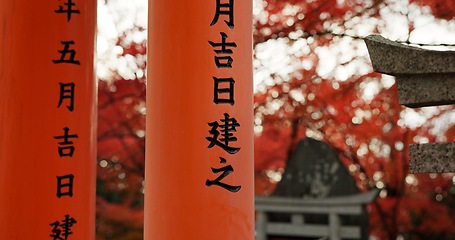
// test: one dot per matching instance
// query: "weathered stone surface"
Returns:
(432, 157)
(426, 90)
(397, 59)
(425, 77)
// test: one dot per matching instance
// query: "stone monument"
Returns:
(314, 171)
(425, 78)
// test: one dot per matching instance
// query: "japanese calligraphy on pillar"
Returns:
(66, 139)
(223, 130)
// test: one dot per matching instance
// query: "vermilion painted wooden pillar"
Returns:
(47, 119)
(199, 156)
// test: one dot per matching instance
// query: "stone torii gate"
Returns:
(424, 78)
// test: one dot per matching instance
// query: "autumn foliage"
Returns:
(325, 89)
(121, 151)
(440, 9)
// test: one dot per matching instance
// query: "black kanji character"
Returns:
(223, 61)
(62, 231)
(228, 126)
(69, 9)
(66, 50)
(224, 9)
(67, 92)
(66, 148)
(65, 185)
(226, 91)
(217, 181)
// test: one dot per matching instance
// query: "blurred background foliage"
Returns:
(313, 78)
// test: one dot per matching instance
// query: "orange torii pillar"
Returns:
(199, 152)
(47, 119)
